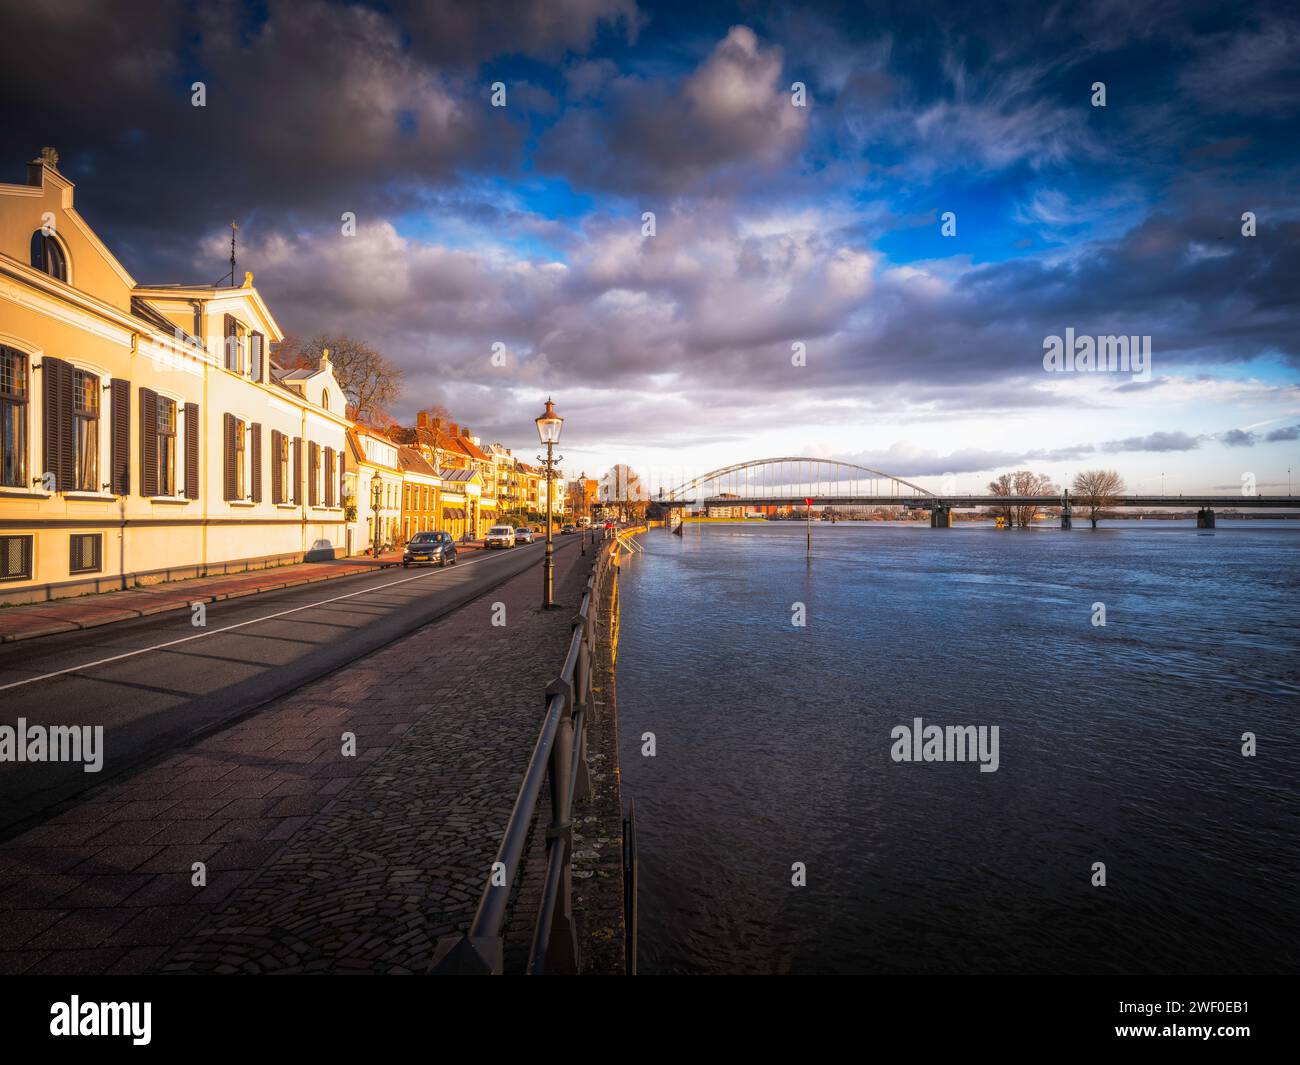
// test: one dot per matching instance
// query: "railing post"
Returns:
(562, 944)
(581, 700)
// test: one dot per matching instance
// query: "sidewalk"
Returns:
(28, 620)
(314, 860)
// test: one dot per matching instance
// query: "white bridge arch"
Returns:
(793, 477)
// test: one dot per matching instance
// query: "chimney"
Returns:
(422, 419)
(48, 158)
(465, 433)
(453, 429)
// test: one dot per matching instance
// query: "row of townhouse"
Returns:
(478, 485)
(144, 432)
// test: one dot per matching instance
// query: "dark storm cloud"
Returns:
(312, 110)
(1291, 432)
(1238, 438)
(665, 136)
(465, 34)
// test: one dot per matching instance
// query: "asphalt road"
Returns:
(156, 683)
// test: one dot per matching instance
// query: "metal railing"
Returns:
(629, 890)
(560, 758)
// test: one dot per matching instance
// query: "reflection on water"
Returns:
(1119, 744)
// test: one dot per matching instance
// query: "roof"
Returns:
(411, 460)
(472, 449)
(355, 433)
(458, 475)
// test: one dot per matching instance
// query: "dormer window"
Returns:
(48, 255)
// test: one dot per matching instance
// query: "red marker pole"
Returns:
(808, 507)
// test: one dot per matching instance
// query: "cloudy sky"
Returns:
(776, 225)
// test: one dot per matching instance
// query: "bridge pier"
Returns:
(941, 516)
(1067, 513)
(1205, 518)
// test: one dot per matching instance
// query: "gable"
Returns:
(47, 199)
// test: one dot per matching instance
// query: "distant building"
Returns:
(421, 494)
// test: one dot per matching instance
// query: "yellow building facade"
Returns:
(145, 435)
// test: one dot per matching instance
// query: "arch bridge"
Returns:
(793, 479)
(800, 480)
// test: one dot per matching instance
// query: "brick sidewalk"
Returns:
(28, 620)
(314, 861)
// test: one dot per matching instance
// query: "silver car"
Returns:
(523, 535)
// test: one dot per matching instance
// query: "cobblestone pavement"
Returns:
(314, 860)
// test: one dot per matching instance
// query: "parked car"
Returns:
(430, 549)
(523, 535)
(569, 529)
(500, 536)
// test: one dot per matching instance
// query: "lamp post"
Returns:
(376, 489)
(548, 431)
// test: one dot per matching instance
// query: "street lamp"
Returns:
(376, 489)
(548, 431)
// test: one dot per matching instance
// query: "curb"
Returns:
(116, 615)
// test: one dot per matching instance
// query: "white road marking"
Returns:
(239, 625)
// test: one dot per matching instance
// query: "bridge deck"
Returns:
(963, 502)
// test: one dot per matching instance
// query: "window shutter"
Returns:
(277, 481)
(191, 451)
(148, 442)
(342, 481)
(231, 346)
(313, 474)
(329, 477)
(256, 348)
(56, 383)
(120, 460)
(297, 470)
(256, 444)
(231, 481)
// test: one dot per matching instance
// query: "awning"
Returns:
(452, 513)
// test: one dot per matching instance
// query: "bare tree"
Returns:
(1001, 486)
(1021, 483)
(1096, 490)
(370, 382)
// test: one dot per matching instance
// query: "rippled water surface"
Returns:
(1118, 744)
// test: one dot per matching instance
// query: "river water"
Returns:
(1119, 744)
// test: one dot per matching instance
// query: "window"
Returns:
(13, 418)
(281, 459)
(325, 399)
(85, 441)
(85, 552)
(15, 558)
(48, 256)
(166, 431)
(313, 474)
(241, 459)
